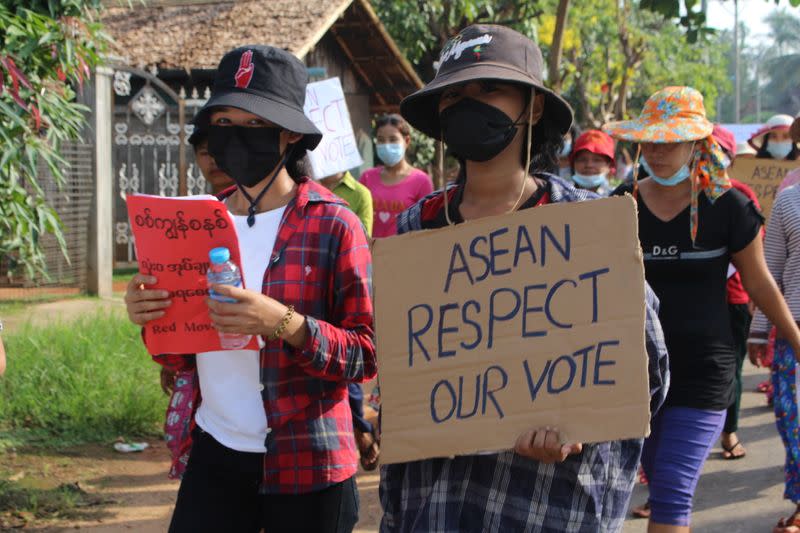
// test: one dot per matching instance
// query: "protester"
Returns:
(792, 177)
(396, 185)
(593, 162)
(745, 151)
(739, 310)
(564, 160)
(179, 385)
(773, 140)
(272, 436)
(624, 164)
(358, 197)
(213, 175)
(495, 115)
(782, 249)
(692, 225)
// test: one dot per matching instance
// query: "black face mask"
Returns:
(476, 131)
(245, 154)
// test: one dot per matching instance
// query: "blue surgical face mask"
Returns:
(779, 149)
(682, 174)
(589, 181)
(565, 151)
(391, 154)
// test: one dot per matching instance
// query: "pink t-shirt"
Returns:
(388, 201)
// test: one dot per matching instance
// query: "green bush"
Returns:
(89, 380)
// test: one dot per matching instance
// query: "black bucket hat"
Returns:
(483, 52)
(268, 82)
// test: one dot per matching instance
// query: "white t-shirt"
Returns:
(232, 410)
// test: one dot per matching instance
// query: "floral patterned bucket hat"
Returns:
(678, 115)
(671, 115)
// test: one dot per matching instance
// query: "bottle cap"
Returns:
(219, 255)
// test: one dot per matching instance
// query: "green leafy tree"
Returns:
(615, 55)
(422, 27)
(690, 15)
(48, 50)
(781, 62)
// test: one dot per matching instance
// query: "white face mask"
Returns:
(779, 149)
(590, 181)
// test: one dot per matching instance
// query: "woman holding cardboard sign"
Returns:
(692, 224)
(272, 442)
(489, 105)
(782, 248)
(773, 141)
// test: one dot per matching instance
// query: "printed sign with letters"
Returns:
(173, 237)
(764, 176)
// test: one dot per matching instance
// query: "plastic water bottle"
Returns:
(222, 271)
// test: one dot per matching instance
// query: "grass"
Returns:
(89, 380)
(124, 274)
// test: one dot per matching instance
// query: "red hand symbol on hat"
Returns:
(246, 69)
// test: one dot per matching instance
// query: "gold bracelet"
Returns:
(283, 325)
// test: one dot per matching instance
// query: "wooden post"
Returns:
(101, 239)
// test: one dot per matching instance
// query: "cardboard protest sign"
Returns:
(327, 109)
(509, 323)
(173, 237)
(764, 176)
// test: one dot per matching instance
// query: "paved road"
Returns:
(744, 496)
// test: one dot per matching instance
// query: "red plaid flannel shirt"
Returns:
(321, 264)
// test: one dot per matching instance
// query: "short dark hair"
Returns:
(393, 119)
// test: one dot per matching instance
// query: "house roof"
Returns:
(195, 34)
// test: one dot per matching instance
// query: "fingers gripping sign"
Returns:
(544, 445)
(246, 69)
(143, 304)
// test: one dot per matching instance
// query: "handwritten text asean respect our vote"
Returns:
(490, 326)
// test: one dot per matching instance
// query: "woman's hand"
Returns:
(544, 445)
(167, 381)
(254, 314)
(143, 304)
(757, 352)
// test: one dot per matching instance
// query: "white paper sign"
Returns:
(327, 109)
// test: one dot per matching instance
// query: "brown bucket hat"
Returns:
(483, 52)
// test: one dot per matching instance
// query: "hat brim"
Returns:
(421, 109)
(657, 133)
(274, 111)
(756, 140)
